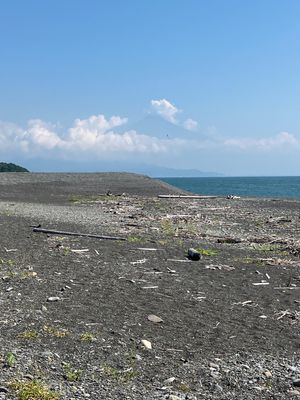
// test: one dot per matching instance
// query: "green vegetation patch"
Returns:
(208, 252)
(31, 334)
(33, 390)
(71, 374)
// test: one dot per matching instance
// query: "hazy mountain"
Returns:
(39, 165)
(154, 125)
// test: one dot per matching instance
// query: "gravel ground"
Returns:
(77, 312)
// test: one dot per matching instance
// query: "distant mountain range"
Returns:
(39, 165)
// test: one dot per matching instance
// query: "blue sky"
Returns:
(78, 77)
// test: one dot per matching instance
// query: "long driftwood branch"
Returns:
(181, 196)
(64, 233)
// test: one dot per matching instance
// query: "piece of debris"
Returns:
(296, 382)
(149, 287)
(146, 344)
(139, 261)
(193, 254)
(9, 250)
(283, 314)
(154, 318)
(263, 283)
(80, 250)
(148, 249)
(243, 303)
(52, 299)
(170, 380)
(220, 267)
(181, 196)
(229, 240)
(171, 271)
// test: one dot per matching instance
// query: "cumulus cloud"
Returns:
(93, 137)
(165, 109)
(170, 112)
(96, 138)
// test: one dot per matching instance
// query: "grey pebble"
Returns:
(296, 382)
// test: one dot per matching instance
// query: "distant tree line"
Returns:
(10, 167)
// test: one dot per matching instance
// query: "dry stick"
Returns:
(54, 232)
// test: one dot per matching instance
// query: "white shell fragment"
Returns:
(154, 318)
(146, 344)
(170, 380)
(51, 299)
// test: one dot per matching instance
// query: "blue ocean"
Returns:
(273, 187)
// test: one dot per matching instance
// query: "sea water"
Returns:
(274, 187)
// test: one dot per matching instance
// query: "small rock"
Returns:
(154, 318)
(214, 366)
(29, 376)
(146, 344)
(293, 392)
(194, 254)
(3, 389)
(268, 374)
(173, 397)
(296, 382)
(170, 380)
(52, 299)
(44, 308)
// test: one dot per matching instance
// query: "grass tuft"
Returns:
(208, 252)
(33, 390)
(29, 335)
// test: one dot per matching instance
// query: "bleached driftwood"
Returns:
(182, 196)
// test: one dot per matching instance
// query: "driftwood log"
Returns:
(64, 233)
(181, 196)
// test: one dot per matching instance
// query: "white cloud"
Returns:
(190, 124)
(90, 138)
(42, 135)
(165, 109)
(170, 112)
(281, 140)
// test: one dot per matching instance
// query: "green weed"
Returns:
(29, 335)
(10, 359)
(33, 390)
(208, 252)
(119, 375)
(87, 337)
(71, 374)
(55, 332)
